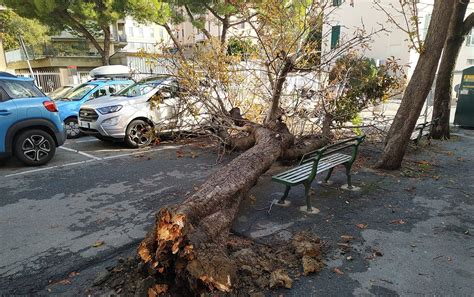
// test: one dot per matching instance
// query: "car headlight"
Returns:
(109, 109)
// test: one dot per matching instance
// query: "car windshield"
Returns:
(59, 92)
(140, 88)
(79, 92)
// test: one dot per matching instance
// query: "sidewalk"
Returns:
(412, 228)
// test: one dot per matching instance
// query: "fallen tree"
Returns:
(188, 241)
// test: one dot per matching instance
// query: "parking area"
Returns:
(91, 201)
(79, 151)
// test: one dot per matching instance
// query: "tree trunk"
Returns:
(176, 43)
(458, 29)
(106, 52)
(418, 88)
(188, 240)
(274, 113)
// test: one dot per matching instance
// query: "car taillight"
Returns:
(50, 105)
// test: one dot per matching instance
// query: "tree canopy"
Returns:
(33, 32)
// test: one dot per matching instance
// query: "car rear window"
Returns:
(21, 89)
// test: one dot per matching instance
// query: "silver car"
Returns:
(137, 113)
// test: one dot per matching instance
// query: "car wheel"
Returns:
(34, 147)
(72, 128)
(139, 133)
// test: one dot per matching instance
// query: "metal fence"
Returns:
(46, 81)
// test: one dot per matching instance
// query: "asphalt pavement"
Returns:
(92, 201)
(63, 226)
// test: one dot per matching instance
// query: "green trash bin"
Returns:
(464, 116)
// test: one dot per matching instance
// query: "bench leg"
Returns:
(328, 176)
(348, 174)
(307, 187)
(282, 199)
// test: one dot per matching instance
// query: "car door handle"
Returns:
(4, 112)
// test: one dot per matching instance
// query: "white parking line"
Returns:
(80, 152)
(48, 168)
(93, 159)
(86, 140)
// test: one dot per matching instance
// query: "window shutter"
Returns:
(335, 35)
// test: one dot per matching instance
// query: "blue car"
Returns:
(30, 127)
(70, 103)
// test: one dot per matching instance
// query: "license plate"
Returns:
(85, 125)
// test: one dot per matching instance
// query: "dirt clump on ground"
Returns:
(260, 267)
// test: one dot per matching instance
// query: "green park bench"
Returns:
(422, 129)
(317, 161)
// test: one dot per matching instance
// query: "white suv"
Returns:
(137, 113)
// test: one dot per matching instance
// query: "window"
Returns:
(335, 35)
(16, 89)
(470, 38)
(152, 33)
(337, 2)
(79, 92)
(140, 32)
(130, 31)
(470, 61)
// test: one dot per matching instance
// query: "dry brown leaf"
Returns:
(346, 238)
(398, 222)
(73, 274)
(338, 271)
(98, 243)
(361, 226)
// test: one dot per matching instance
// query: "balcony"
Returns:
(53, 50)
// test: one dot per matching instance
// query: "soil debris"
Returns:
(280, 278)
(260, 267)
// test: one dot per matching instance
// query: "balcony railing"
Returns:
(50, 51)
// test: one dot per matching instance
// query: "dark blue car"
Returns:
(30, 127)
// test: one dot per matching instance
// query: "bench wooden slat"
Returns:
(322, 166)
(305, 165)
(302, 172)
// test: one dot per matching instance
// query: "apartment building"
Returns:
(350, 16)
(188, 35)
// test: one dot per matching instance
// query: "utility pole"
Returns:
(22, 44)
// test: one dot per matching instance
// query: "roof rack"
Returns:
(111, 72)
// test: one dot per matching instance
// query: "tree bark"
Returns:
(442, 100)
(418, 88)
(273, 113)
(188, 240)
(176, 43)
(106, 53)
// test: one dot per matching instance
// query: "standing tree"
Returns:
(12, 25)
(458, 29)
(90, 19)
(418, 88)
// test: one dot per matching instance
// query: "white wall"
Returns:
(393, 42)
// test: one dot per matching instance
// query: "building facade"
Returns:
(348, 17)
